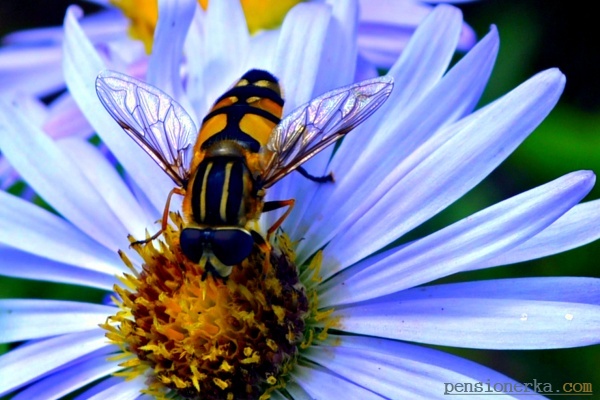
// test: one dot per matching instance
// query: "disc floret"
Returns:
(199, 336)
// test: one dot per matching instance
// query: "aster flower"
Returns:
(123, 32)
(363, 306)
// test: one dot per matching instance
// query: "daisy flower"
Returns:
(329, 309)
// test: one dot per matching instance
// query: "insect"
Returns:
(243, 148)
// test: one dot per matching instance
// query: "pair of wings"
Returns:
(167, 133)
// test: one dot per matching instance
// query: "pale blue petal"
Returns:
(50, 172)
(123, 390)
(386, 27)
(101, 26)
(297, 392)
(336, 69)
(164, 65)
(579, 226)
(296, 65)
(298, 56)
(399, 370)
(446, 167)
(226, 40)
(32, 70)
(556, 288)
(455, 95)
(105, 178)
(477, 322)
(262, 49)
(461, 245)
(17, 369)
(278, 396)
(81, 65)
(115, 388)
(65, 119)
(25, 319)
(18, 264)
(337, 66)
(70, 379)
(32, 229)
(194, 52)
(321, 384)
(417, 72)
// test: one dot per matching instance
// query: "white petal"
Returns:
(226, 43)
(107, 181)
(65, 119)
(116, 388)
(320, 384)
(33, 70)
(30, 228)
(461, 245)
(262, 49)
(455, 95)
(297, 66)
(579, 226)
(70, 379)
(167, 51)
(297, 392)
(446, 167)
(386, 26)
(56, 179)
(298, 56)
(17, 369)
(336, 69)
(419, 69)
(81, 65)
(562, 289)
(194, 63)
(477, 322)
(24, 319)
(18, 264)
(400, 370)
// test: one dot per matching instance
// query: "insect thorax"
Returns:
(222, 192)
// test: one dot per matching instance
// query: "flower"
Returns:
(30, 60)
(423, 150)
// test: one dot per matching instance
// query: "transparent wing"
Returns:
(152, 118)
(319, 123)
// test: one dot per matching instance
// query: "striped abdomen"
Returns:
(246, 114)
(220, 190)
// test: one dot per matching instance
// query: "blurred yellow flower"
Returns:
(260, 14)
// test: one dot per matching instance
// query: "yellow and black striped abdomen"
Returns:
(246, 114)
(219, 191)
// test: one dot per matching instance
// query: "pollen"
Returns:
(194, 335)
(143, 14)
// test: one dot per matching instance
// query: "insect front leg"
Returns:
(274, 205)
(165, 217)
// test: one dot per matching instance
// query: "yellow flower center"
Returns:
(197, 336)
(260, 14)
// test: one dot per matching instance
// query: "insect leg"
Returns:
(274, 205)
(165, 217)
(318, 179)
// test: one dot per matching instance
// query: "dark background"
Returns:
(535, 35)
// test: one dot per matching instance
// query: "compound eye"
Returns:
(192, 243)
(232, 246)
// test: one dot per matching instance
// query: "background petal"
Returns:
(17, 369)
(25, 319)
(457, 247)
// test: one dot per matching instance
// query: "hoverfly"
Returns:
(243, 147)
